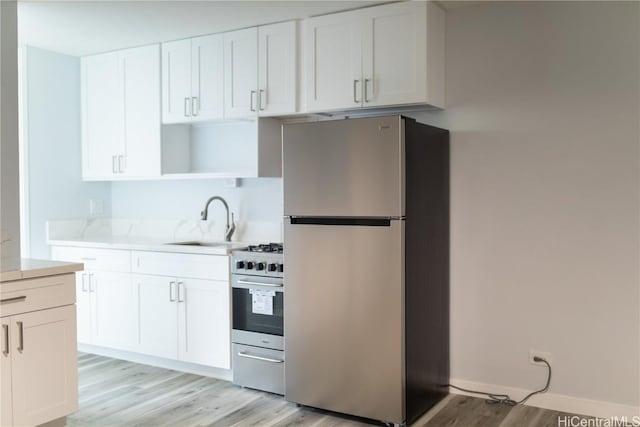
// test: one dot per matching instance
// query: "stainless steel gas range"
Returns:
(258, 317)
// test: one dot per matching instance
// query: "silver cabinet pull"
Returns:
(195, 106)
(5, 331)
(355, 90)
(14, 299)
(180, 291)
(84, 287)
(20, 336)
(264, 359)
(253, 92)
(262, 94)
(113, 164)
(84, 258)
(186, 107)
(90, 280)
(366, 83)
(171, 297)
(121, 164)
(248, 283)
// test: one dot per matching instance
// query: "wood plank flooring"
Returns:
(119, 393)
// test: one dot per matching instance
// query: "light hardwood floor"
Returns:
(119, 393)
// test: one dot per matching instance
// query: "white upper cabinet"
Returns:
(260, 71)
(333, 62)
(379, 56)
(121, 114)
(192, 80)
(277, 65)
(241, 73)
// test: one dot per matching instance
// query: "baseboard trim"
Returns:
(176, 365)
(556, 402)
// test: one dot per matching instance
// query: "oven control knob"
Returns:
(250, 265)
(261, 266)
(240, 264)
(281, 268)
(273, 267)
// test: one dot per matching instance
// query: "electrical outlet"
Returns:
(95, 207)
(542, 354)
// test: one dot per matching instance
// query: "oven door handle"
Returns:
(248, 283)
(264, 359)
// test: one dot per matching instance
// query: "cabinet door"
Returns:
(158, 315)
(6, 403)
(333, 62)
(394, 54)
(84, 305)
(44, 369)
(277, 62)
(207, 82)
(241, 73)
(102, 115)
(204, 326)
(141, 74)
(115, 310)
(176, 81)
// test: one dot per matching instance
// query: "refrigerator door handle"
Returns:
(333, 221)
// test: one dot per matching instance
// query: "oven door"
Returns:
(258, 310)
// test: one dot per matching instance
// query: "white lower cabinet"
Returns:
(184, 319)
(170, 305)
(38, 362)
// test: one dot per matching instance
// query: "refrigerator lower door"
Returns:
(344, 321)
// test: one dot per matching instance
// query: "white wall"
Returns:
(9, 178)
(51, 120)
(543, 106)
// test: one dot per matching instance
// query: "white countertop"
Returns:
(149, 244)
(26, 268)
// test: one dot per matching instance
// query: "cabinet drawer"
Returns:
(259, 368)
(94, 259)
(211, 267)
(37, 294)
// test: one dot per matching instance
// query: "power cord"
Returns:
(505, 399)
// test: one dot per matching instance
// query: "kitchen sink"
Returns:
(208, 244)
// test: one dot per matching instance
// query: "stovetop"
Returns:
(265, 247)
(259, 260)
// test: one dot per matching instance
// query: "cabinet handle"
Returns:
(113, 164)
(121, 164)
(264, 359)
(262, 94)
(91, 287)
(180, 291)
(84, 287)
(14, 299)
(5, 331)
(253, 92)
(195, 106)
(84, 258)
(366, 83)
(171, 297)
(20, 337)
(355, 89)
(186, 107)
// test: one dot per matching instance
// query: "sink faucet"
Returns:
(230, 227)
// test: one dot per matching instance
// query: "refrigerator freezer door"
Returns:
(344, 324)
(344, 168)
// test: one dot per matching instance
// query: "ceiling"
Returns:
(82, 27)
(85, 27)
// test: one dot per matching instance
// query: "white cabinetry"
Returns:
(374, 57)
(260, 71)
(106, 297)
(183, 316)
(120, 101)
(38, 369)
(192, 80)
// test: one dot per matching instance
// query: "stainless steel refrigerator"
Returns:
(366, 244)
